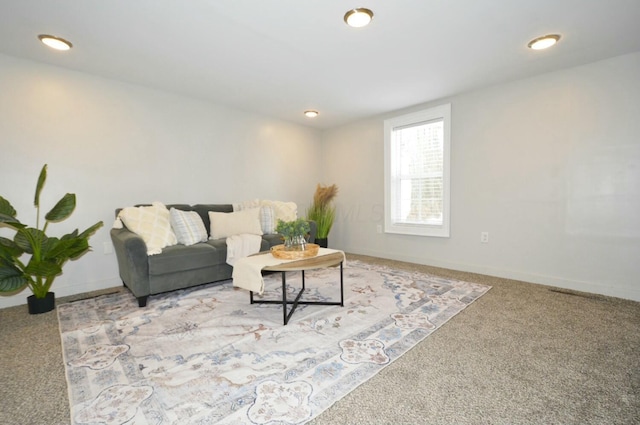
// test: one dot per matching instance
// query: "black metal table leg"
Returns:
(284, 298)
(341, 287)
(286, 315)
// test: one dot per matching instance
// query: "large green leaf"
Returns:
(42, 268)
(48, 246)
(63, 208)
(11, 279)
(10, 221)
(8, 214)
(91, 230)
(9, 249)
(79, 248)
(41, 179)
(66, 248)
(71, 235)
(6, 208)
(30, 240)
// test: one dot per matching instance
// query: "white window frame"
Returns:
(442, 112)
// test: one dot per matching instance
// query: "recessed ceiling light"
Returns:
(310, 114)
(55, 42)
(359, 17)
(544, 42)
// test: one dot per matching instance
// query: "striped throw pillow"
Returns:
(268, 220)
(188, 227)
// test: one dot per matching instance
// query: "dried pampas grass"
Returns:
(324, 195)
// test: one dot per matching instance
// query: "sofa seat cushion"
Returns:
(179, 258)
(220, 245)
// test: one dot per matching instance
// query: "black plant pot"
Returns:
(41, 305)
(322, 242)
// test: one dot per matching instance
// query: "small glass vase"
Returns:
(295, 243)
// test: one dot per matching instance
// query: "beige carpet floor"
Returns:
(521, 354)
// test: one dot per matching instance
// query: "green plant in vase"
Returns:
(33, 259)
(294, 233)
(323, 212)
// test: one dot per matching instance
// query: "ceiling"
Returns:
(281, 57)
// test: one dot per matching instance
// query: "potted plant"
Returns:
(323, 212)
(294, 233)
(34, 259)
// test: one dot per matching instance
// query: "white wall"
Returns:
(549, 166)
(116, 144)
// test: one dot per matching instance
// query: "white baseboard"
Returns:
(61, 291)
(576, 285)
(591, 287)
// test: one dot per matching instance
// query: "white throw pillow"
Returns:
(152, 224)
(285, 211)
(235, 223)
(188, 226)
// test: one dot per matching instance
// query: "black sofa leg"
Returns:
(142, 301)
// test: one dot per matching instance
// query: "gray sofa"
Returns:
(178, 266)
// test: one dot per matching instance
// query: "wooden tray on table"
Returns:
(311, 250)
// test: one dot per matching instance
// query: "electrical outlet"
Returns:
(379, 228)
(484, 237)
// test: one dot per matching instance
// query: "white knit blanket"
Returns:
(241, 246)
(247, 272)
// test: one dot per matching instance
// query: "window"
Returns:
(416, 154)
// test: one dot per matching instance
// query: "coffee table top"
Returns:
(319, 261)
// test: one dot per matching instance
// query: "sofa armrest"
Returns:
(133, 261)
(313, 231)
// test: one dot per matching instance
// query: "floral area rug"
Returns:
(205, 355)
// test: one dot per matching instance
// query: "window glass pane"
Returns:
(417, 173)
